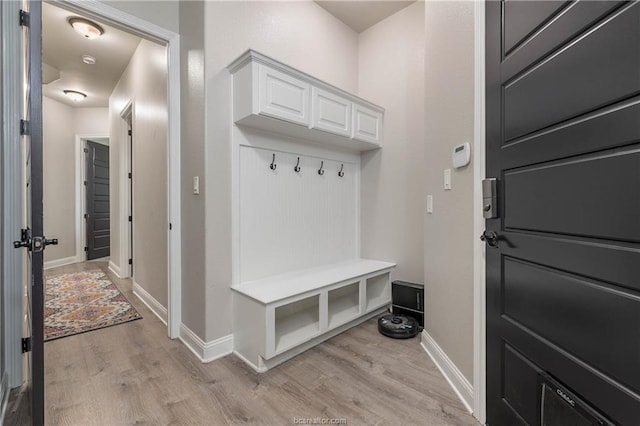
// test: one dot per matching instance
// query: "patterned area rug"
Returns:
(83, 301)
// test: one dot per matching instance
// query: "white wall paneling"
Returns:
(294, 220)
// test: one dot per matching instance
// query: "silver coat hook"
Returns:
(273, 164)
(297, 167)
(320, 171)
(341, 173)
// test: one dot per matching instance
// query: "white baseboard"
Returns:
(4, 396)
(61, 262)
(461, 386)
(115, 269)
(206, 351)
(153, 305)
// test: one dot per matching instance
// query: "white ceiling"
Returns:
(62, 49)
(362, 14)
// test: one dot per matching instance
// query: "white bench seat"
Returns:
(277, 317)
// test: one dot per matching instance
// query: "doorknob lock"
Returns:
(491, 238)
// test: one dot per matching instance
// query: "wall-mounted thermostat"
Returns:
(461, 155)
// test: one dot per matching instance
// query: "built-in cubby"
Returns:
(343, 304)
(296, 322)
(377, 291)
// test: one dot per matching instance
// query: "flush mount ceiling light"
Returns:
(86, 28)
(88, 59)
(74, 95)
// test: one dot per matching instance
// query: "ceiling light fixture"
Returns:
(86, 28)
(74, 95)
(88, 59)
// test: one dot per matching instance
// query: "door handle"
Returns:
(491, 238)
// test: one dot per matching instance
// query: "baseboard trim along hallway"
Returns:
(461, 386)
(153, 305)
(206, 351)
(61, 262)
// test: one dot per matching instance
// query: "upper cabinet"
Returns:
(270, 95)
(282, 96)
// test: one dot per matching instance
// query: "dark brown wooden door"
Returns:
(97, 196)
(563, 139)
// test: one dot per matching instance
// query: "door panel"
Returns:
(578, 78)
(522, 18)
(560, 306)
(573, 196)
(97, 196)
(563, 138)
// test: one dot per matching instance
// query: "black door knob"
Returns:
(491, 238)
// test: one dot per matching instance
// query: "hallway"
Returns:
(132, 373)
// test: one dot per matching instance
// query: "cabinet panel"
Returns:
(367, 124)
(331, 113)
(284, 97)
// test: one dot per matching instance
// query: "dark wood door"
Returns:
(563, 139)
(32, 236)
(97, 196)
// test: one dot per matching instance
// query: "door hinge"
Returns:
(129, 175)
(25, 127)
(86, 150)
(130, 218)
(129, 132)
(170, 226)
(85, 183)
(86, 215)
(26, 344)
(25, 18)
(130, 261)
(86, 249)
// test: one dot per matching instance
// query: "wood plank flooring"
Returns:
(133, 374)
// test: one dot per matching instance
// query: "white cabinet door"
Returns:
(367, 124)
(284, 97)
(331, 113)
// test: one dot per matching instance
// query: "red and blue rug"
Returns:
(83, 301)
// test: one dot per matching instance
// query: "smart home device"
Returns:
(461, 155)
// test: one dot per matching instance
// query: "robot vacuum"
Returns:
(398, 326)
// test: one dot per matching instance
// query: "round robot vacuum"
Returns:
(398, 326)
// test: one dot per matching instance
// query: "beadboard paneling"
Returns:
(290, 220)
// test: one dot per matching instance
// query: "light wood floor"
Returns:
(134, 374)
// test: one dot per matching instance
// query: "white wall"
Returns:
(300, 34)
(144, 81)
(391, 74)
(61, 124)
(449, 103)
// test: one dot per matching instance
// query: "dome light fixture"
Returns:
(88, 59)
(86, 28)
(74, 95)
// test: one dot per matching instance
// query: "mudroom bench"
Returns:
(278, 317)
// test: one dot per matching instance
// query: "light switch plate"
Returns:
(447, 179)
(196, 185)
(429, 204)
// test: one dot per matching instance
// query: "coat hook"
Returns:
(273, 164)
(297, 167)
(320, 171)
(341, 173)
